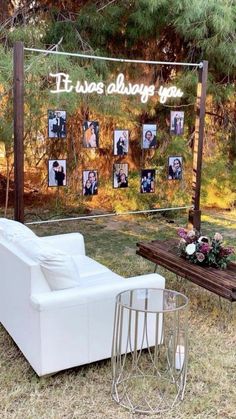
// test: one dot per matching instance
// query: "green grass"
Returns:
(84, 392)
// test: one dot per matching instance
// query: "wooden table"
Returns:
(165, 253)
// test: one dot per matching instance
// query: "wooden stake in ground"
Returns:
(195, 214)
(18, 103)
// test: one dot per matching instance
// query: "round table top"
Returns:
(152, 300)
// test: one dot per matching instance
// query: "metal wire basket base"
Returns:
(149, 355)
(149, 394)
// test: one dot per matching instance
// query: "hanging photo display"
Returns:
(57, 168)
(90, 182)
(147, 181)
(56, 124)
(90, 134)
(177, 122)
(121, 142)
(120, 175)
(56, 172)
(149, 138)
(175, 168)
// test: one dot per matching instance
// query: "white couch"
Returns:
(63, 328)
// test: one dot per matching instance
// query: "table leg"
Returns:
(226, 311)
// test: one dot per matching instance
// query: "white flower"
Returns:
(190, 249)
(203, 239)
(218, 237)
(182, 241)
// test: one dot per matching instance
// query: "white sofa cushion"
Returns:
(15, 231)
(58, 267)
(69, 243)
(88, 267)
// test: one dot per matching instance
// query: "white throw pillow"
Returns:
(57, 267)
(13, 230)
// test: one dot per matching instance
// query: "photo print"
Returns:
(120, 175)
(90, 134)
(121, 142)
(56, 124)
(149, 139)
(147, 181)
(177, 122)
(175, 167)
(90, 182)
(56, 172)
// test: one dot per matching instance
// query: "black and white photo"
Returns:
(175, 167)
(177, 122)
(120, 175)
(90, 182)
(149, 137)
(56, 172)
(147, 183)
(121, 142)
(90, 134)
(56, 124)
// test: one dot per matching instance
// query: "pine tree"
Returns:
(164, 30)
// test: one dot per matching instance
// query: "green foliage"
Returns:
(90, 28)
(31, 35)
(6, 123)
(141, 24)
(218, 183)
(6, 72)
(211, 26)
(148, 29)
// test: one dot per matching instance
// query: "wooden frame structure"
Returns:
(18, 104)
(195, 214)
(18, 54)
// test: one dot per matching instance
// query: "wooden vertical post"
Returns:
(195, 213)
(18, 104)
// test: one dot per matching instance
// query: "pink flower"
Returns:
(209, 251)
(200, 256)
(218, 237)
(182, 233)
(227, 250)
(191, 234)
(230, 250)
(205, 248)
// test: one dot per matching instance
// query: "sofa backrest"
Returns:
(52, 264)
(18, 269)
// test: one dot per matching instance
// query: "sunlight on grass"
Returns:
(220, 221)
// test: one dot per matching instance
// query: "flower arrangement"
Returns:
(203, 250)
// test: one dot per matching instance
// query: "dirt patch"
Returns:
(114, 224)
(32, 197)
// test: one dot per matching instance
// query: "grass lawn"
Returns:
(84, 392)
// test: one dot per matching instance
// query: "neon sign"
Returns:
(119, 86)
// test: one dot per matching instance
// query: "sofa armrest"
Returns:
(86, 295)
(70, 243)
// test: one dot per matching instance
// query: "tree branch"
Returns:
(105, 5)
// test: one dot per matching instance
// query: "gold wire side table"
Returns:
(149, 349)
